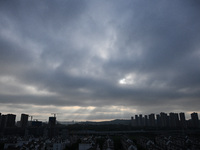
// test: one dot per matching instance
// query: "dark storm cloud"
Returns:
(142, 54)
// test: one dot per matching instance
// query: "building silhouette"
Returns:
(140, 120)
(3, 121)
(163, 119)
(182, 120)
(136, 120)
(24, 120)
(52, 121)
(195, 120)
(173, 120)
(158, 120)
(152, 120)
(10, 120)
(146, 121)
(177, 121)
(52, 127)
(7, 120)
(0, 118)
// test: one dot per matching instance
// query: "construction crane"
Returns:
(31, 117)
(54, 114)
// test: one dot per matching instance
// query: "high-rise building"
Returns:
(7, 120)
(164, 119)
(172, 120)
(10, 120)
(195, 120)
(146, 121)
(52, 121)
(167, 121)
(132, 121)
(158, 120)
(141, 120)
(0, 118)
(177, 122)
(24, 120)
(136, 120)
(152, 120)
(182, 120)
(3, 121)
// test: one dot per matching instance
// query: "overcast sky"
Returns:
(99, 59)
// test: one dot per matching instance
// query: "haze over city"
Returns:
(99, 60)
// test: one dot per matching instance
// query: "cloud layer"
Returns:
(99, 60)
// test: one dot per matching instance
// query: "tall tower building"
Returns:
(152, 120)
(172, 120)
(164, 119)
(52, 121)
(10, 120)
(146, 121)
(0, 118)
(3, 121)
(195, 120)
(136, 120)
(140, 120)
(177, 121)
(182, 120)
(132, 121)
(158, 120)
(24, 120)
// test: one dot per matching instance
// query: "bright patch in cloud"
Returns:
(129, 79)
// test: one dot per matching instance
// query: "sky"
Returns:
(99, 59)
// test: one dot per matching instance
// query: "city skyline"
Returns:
(152, 117)
(99, 60)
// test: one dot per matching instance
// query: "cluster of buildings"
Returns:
(164, 120)
(8, 121)
(31, 134)
(90, 143)
(83, 143)
(26, 127)
(128, 144)
(158, 142)
(87, 143)
(175, 142)
(31, 143)
(108, 144)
